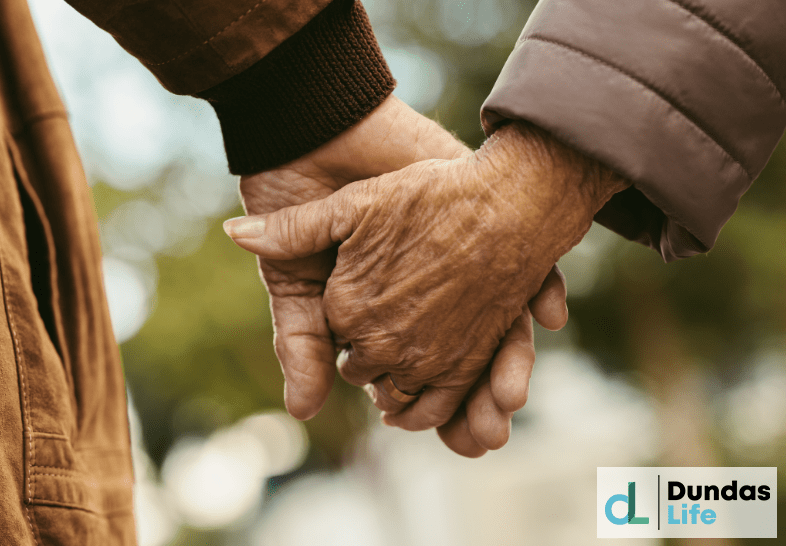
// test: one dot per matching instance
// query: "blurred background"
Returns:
(678, 365)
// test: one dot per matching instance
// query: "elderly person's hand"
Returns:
(438, 260)
(392, 137)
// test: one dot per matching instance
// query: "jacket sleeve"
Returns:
(284, 76)
(683, 97)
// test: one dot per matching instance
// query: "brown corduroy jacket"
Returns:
(683, 97)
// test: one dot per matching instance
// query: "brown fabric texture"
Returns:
(683, 97)
(66, 463)
(313, 87)
(192, 45)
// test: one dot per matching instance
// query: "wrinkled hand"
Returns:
(391, 137)
(483, 421)
(438, 260)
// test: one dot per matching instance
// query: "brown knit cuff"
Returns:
(316, 84)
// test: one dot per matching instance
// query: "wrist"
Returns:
(564, 188)
(390, 138)
(561, 170)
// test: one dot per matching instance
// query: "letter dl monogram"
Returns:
(630, 499)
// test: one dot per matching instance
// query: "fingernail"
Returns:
(386, 420)
(245, 226)
(341, 359)
(371, 392)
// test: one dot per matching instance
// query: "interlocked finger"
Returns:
(511, 368)
(386, 395)
(357, 370)
(305, 349)
(456, 435)
(488, 424)
(434, 407)
(548, 306)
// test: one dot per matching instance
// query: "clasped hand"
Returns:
(436, 265)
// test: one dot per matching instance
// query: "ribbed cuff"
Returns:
(318, 83)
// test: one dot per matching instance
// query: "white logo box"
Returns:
(732, 518)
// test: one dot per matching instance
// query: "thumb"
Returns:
(302, 230)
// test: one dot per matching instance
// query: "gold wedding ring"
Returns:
(395, 393)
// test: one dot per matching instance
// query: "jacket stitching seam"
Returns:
(27, 417)
(717, 26)
(33, 527)
(673, 103)
(22, 380)
(209, 40)
(83, 477)
(198, 28)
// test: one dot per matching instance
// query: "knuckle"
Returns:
(338, 308)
